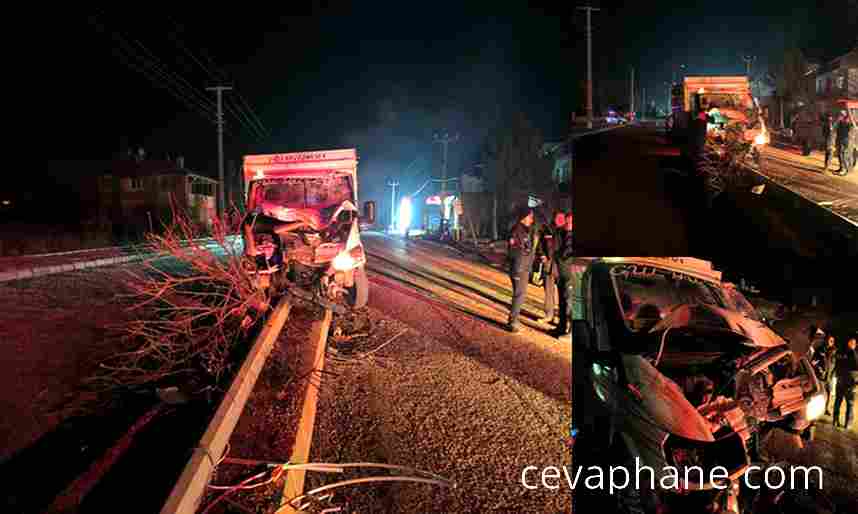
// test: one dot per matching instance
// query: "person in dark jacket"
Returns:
(844, 127)
(829, 135)
(824, 360)
(846, 371)
(520, 258)
(545, 251)
(566, 284)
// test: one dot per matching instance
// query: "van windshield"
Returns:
(319, 193)
(647, 293)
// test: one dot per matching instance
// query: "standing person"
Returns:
(829, 135)
(844, 127)
(546, 250)
(824, 360)
(852, 146)
(520, 256)
(846, 371)
(565, 285)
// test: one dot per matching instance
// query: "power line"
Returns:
(253, 114)
(219, 75)
(162, 77)
(156, 76)
(241, 115)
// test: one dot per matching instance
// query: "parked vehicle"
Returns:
(302, 230)
(681, 371)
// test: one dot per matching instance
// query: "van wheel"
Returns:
(359, 293)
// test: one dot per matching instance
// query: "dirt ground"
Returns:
(52, 329)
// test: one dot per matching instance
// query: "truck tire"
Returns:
(359, 293)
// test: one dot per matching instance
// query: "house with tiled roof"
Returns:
(138, 191)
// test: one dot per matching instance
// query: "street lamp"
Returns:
(404, 215)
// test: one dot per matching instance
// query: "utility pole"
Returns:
(749, 59)
(220, 197)
(589, 10)
(669, 90)
(393, 185)
(632, 92)
(445, 141)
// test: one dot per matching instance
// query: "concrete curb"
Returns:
(38, 271)
(800, 197)
(314, 359)
(25, 273)
(596, 131)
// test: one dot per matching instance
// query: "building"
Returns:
(561, 153)
(838, 78)
(136, 193)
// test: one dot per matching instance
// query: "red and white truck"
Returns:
(302, 229)
(727, 95)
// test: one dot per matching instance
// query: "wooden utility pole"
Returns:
(632, 92)
(589, 10)
(445, 141)
(220, 197)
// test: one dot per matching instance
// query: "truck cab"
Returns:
(302, 228)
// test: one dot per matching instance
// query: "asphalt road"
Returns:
(628, 202)
(805, 175)
(622, 200)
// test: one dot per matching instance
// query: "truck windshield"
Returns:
(317, 193)
(646, 293)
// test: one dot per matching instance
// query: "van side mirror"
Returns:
(368, 212)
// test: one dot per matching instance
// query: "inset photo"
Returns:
(699, 388)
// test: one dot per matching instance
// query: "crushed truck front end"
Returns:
(302, 230)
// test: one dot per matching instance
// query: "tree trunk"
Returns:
(782, 112)
(494, 216)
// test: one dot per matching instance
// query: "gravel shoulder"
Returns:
(423, 402)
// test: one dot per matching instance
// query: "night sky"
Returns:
(385, 77)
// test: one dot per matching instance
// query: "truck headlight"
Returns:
(343, 262)
(815, 407)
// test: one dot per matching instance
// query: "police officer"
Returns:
(844, 127)
(846, 371)
(520, 258)
(566, 284)
(546, 250)
(824, 360)
(829, 135)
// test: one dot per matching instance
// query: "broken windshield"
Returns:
(318, 193)
(645, 294)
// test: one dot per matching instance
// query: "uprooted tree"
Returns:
(723, 161)
(193, 307)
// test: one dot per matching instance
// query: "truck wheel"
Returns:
(359, 293)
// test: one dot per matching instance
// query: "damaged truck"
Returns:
(301, 233)
(674, 368)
